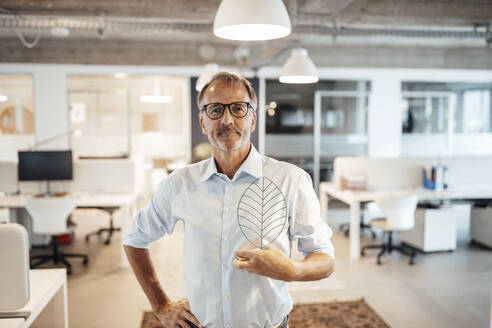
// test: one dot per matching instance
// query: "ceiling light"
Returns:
(252, 20)
(120, 75)
(206, 75)
(3, 98)
(60, 32)
(156, 99)
(299, 68)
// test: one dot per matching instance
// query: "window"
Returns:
(291, 123)
(137, 114)
(446, 118)
(16, 104)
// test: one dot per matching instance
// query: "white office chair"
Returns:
(399, 216)
(370, 211)
(49, 217)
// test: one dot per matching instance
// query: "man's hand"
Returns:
(175, 314)
(269, 262)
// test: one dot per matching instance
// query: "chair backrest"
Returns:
(49, 215)
(14, 267)
(399, 211)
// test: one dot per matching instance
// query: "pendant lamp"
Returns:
(251, 20)
(299, 68)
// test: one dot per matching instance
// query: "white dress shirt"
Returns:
(209, 204)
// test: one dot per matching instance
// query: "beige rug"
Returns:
(350, 314)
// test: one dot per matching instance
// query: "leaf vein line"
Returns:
(280, 209)
(269, 223)
(249, 221)
(273, 197)
(254, 216)
(271, 190)
(244, 226)
(280, 225)
(272, 206)
(252, 208)
(252, 200)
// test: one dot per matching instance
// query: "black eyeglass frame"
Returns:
(204, 109)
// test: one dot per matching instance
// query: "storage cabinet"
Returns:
(435, 230)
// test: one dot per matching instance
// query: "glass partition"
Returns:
(446, 119)
(17, 123)
(308, 125)
(134, 114)
(16, 104)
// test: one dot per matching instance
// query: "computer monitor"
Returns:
(45, 165)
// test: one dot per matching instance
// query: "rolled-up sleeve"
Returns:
(153, 221)
(312, 234)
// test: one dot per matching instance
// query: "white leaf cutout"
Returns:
(262, 212)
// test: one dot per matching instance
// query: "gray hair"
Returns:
(232, 79)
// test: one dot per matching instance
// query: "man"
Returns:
(230, 283)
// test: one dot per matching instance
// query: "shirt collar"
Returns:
(252, 165)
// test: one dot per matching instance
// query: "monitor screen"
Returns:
(45, 165)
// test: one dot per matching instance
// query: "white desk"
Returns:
(123, 201)
(355, 198)
(47, 303)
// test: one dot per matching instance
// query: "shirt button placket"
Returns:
(226, 305)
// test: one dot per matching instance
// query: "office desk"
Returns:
(355, 198)
(47, 303)
(123, 201)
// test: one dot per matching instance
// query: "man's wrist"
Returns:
(161, 305)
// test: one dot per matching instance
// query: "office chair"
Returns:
(399, 216)
(109, 229)
(371, 210)
(49, 217)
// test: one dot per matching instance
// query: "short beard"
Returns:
(240, 143)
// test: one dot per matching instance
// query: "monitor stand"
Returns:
(48, 191)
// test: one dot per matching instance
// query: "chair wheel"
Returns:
(85, 261)
(86, 239)
(411, 262)
(379, 262)
(362, 253)
(107, 242)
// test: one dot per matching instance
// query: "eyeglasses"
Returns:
(238, 109)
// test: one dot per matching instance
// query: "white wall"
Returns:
(51, 108)
(384, 117)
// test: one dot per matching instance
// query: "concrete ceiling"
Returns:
(371, 33)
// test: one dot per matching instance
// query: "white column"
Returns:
(51, 108)
(385, 114)
(261, 117)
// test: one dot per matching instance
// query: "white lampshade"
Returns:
(299, 68)
(206, 75)
(251, 20)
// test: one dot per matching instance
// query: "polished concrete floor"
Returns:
(440, 290)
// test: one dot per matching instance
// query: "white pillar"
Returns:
(385, 115)
(51, 108)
